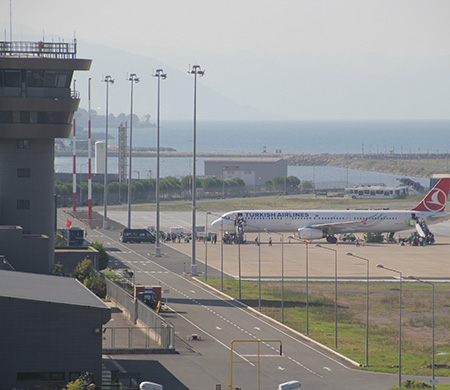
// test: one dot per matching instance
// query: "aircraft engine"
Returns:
(310, 234)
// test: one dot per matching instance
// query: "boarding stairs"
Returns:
(423, 231)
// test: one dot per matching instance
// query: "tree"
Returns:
(86, 274)
(57, 269)
(83, 270)
(103, 255)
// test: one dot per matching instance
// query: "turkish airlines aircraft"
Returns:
(316, 224)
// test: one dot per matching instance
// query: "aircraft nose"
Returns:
(217, 224)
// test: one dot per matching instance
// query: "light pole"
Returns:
(206, 245)
(221, 255)
(399, 324)
(159, 73)
(259, 271)
(196, 71)
(108, 80)
(282, 273)
(133, 79)
(367, 303)
(307, 281)
(433, 382)
(335, 292)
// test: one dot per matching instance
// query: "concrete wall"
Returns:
(71, 256)
(37, 189)
(26, 253)
(46, 337)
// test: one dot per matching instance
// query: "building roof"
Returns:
(246, 159)
(47, 288)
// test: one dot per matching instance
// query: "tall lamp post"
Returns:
(206, 245)
(196, 71)
(367, 303)
(335, 292)
(259, 271)
(133, 79)
(433, 382)
(306, 280)
(399, 323)
(108, 80)
(159, 73)
(282, 273)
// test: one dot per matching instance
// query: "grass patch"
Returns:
(383, 320)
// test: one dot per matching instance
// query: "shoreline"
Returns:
(421, 165)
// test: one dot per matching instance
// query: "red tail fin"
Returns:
(436, 199)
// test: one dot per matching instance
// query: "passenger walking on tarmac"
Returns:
(270, 241)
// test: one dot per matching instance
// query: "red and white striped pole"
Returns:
(74, 149)
(90, 157)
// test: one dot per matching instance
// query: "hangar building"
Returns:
(253, 171)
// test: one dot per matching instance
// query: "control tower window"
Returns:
(11, 78)
(35, 78)
(64, 78)
(50, 78)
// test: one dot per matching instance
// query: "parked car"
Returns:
(137, 235)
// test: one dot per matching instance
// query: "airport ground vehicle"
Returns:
(137, 235)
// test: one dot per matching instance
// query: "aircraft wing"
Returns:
(334, 227)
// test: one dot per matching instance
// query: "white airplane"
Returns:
(317, 224)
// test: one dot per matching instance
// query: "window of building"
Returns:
(23, 172)
(11, 78)
(23, 144)
(64, 78)
(35, 78)
(23, 204)
(50, 78)
(41, 376)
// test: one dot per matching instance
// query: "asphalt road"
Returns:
(216, 320)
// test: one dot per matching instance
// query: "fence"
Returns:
(154, 326)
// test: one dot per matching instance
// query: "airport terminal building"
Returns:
(253, 171)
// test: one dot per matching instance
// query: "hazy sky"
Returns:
(271, 37)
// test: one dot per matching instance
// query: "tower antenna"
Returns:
(10, 21)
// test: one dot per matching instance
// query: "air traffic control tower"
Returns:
(36, 106)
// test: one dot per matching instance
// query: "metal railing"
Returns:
(39, 49)
(161, 331)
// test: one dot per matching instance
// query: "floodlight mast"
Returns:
(196, 71)
(159, 73)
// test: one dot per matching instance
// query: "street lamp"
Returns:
(159, 73)
(108, 80)
(399, 324)
(433, 382)
(307, 281)
(196, 70)
(133, 79)
(282, 273)
(335, 292)
(259, 271)
(367, 304)
(206, 245)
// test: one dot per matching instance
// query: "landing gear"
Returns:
(332, 239)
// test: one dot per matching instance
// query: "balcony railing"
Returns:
(39, 49)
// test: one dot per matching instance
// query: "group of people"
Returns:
(179, 237)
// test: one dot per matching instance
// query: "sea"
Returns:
(309, 137)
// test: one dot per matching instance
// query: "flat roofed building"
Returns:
(253, 171)
(50, 330)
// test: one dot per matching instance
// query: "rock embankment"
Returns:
(416, 165)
